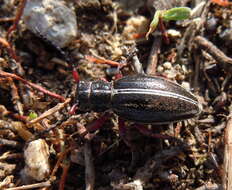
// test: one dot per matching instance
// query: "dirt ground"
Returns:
(43, 146)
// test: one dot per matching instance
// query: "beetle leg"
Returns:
(104, 79)
(135, 154)
(87, 132)
(118, 75)
(122, 131)
(98, 123)
(75, 74)
(145, 131)
(73, 109)
(126, 135)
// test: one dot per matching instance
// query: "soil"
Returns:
(184, 155)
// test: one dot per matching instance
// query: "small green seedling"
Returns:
(174, 14)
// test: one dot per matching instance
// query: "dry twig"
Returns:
(61, 157)
(153, 57)
(6, 182)
(15, 97)
(9, 48)
(10, 143)
(197, 60)
(216, 53)
(227, 178)
(7, 168)
(51, 111)
(7, 19)
(11, 156)
(89, 167)
(194, 28)
(32, 186)
(210, 186)
(137, 65)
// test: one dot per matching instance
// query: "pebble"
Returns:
(211, 24)
(186, 85)
(135, 25)
(226, 35)
(36, 156)
(167, 65)
(160, 69)
(51, 20)
(174, 33)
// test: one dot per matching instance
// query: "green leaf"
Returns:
(177, 13)
(154, 22)
(32, 115)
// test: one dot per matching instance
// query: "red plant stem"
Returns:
(65, 167)
(38, 87)
(19, 117)
(223, 3)
(17, 17)
(163, 31)
(139, 35)
(104, 61)
(73, 109)
(61, 157)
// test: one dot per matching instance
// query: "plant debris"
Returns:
(107, 39)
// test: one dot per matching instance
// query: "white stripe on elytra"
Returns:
(155, 92)
(148, 92)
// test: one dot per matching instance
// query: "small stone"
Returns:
(184, 69)
(36, 156)
(180, 77)
(174, 33)
(51, 20)
(160, 69)
(167, 65)
(171, 74)
(135, 26)
(186, 85)
(211, 24)
(226, 35)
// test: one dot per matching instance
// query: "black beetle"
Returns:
(139, 98)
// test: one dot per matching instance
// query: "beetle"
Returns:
(140, 98)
